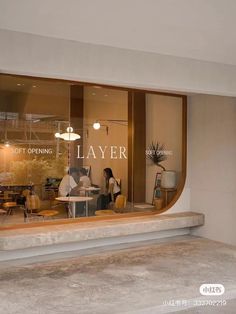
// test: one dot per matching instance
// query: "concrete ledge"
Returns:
(87, 231)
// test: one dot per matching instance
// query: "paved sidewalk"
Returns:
(135, 280)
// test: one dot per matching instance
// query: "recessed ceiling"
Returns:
(10, 83)
(199, 29)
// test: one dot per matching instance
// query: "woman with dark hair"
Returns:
(111, 192)
(112, 187)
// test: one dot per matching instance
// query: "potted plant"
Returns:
(156, 154)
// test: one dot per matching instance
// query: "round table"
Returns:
(75, 199)
(89, 189)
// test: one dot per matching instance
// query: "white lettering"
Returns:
(37, 151)
(19, 150)
(91, 152)
(116, 152)
(102, 151)
(78, 155)
(113, 152)
(122, 152)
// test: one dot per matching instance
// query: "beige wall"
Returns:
(67, 59)
(212, 165)
(163, 124)
(112, 106)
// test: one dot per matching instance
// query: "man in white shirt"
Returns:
(84, 180)
(68, 182)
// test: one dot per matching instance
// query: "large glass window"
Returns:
(71, 150)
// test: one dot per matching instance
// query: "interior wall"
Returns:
(106, 104)
(163, 124)
(212, 165)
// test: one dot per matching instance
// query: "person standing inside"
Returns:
(68, 182)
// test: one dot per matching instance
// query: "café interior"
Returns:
(49, 127)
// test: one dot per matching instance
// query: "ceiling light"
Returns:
(34, 86)
(7, 144)
(105, 95)
(68, 135)
(57, 135)
(93, 94)
(96, 125)
(69, 129)
(18, 84)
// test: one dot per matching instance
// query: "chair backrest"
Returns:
(25, 192)
(120, 201)
(32, 202)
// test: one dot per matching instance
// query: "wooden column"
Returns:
(76, 120)
(136, 147)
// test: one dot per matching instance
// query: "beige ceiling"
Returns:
(11, 83)
(46, 96)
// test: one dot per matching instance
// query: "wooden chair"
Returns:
(120, 201)
(9, 206)
(32, 209)
(3, 214)
(25, 193)
(48, 213)
(119, 206)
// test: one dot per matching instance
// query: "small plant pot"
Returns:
(158, 202)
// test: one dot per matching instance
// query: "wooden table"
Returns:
(13, 194)
(75, 199)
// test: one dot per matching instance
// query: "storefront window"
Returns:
(71, 150)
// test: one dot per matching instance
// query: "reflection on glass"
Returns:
(58, 139)
(32, 160)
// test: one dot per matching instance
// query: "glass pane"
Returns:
(32, 160)
(164, 144)
(103, 145)
(71, 150)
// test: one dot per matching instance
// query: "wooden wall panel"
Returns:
(136, 147)
(76, 120)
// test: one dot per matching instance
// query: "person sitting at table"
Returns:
(84, 180)
(68, 183)
(112, 190)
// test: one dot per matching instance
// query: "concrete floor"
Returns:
(131, 281)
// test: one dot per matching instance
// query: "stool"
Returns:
(166, 192)
(9, 206)
(47, 213)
